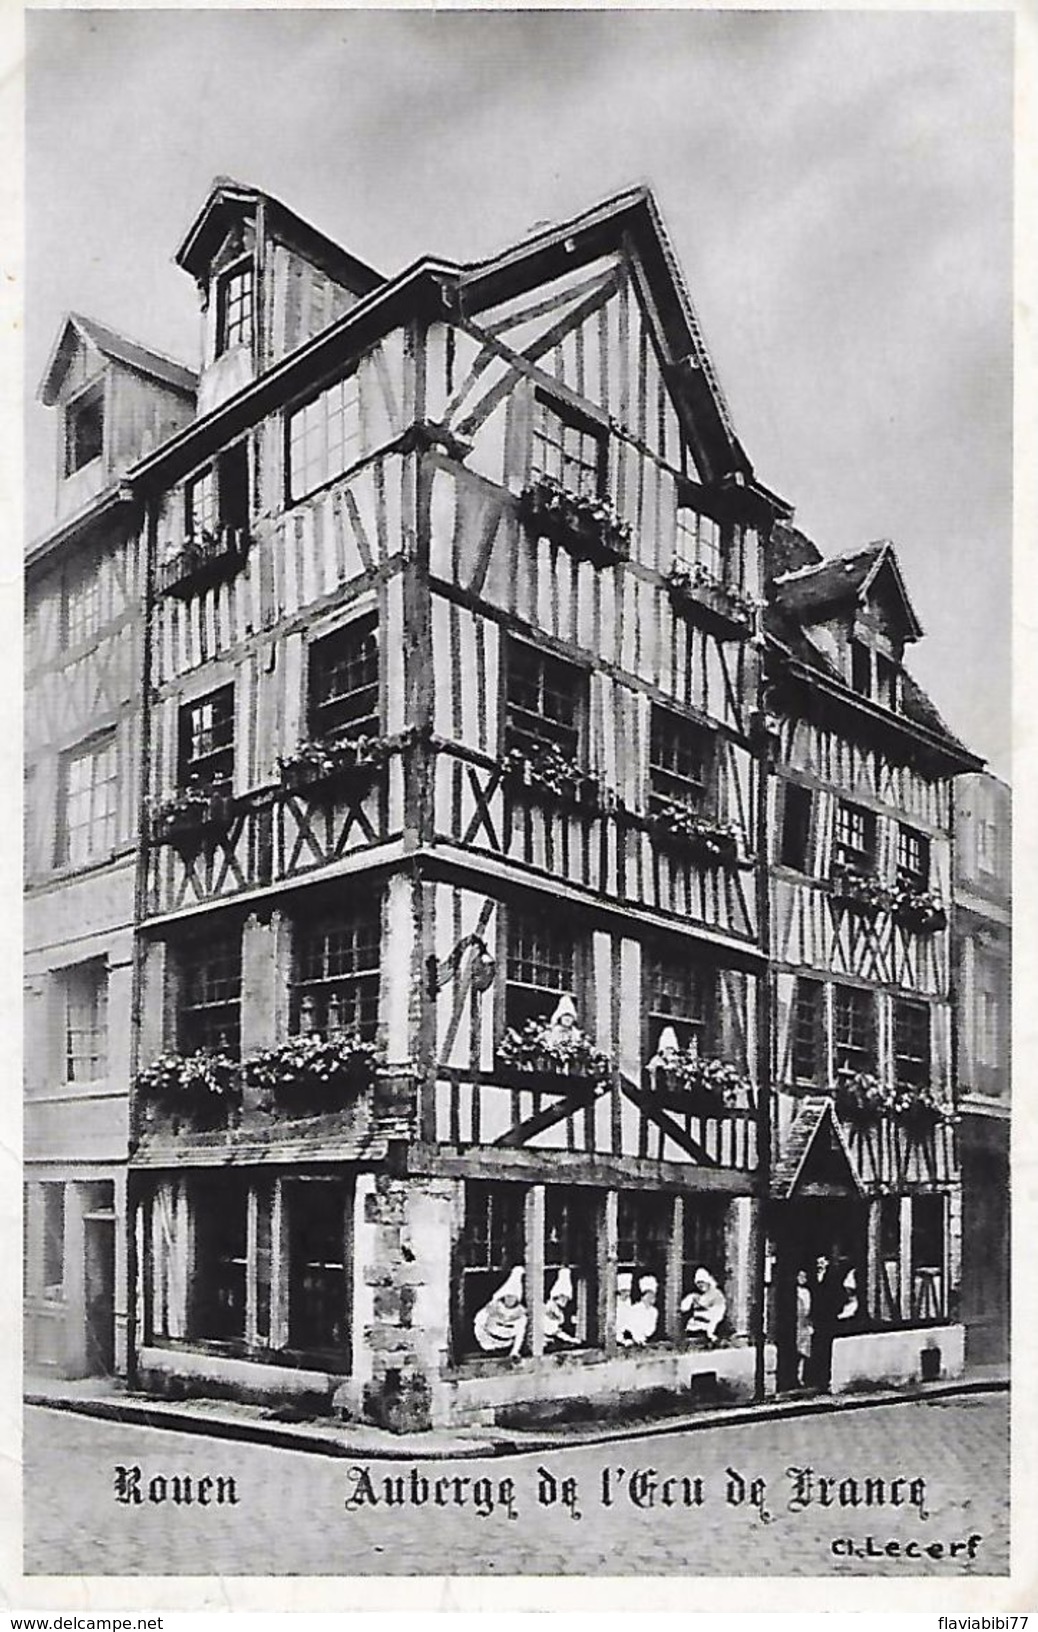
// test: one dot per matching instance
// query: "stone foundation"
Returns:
(873, 1359)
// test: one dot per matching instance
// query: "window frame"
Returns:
(579, 424)
(326, 719)
(846, 852)
(334, 457)
(907, 1013)
(525, 1000)
(530, 729)
(501, 1242)
(665, 781)
(812, 1025)
(666, 966)
(914, 875)
(93, 395)
(217, 763)
(650, 1240)
(85, 1020)
(709, 542)
(103, 821)
(848, 1054)
(795, 840)
(359, 921)
(242, 269)
(200, 997)
(82, 609)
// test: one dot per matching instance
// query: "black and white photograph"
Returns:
(518, 801)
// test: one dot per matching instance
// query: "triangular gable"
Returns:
(884, 583)
(814, 1152)
(84, 336)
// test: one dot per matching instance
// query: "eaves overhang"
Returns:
(115, 499)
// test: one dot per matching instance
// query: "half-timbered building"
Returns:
(860, 796)
(113, 401)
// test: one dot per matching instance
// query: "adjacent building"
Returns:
(542, 878)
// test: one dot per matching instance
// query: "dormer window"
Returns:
(234, 307)
(861, 668)
(84, 429)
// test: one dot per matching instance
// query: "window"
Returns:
(324, 437)
(234, 307)
(568, 447)
(682, 994)
(913, 858)
(88, 785)
(318, 1304)
(207, 741)
(698, 542)
(218, 497)
(703, 1239)
(84, 429)
(854, 1029)
(797, 805)
(643, 1240)
(680, 760)
(221, 1210)
(541, 966)
(210, 995)
(886, 681)
(492, 1244)
(53, 1241)
(543, 701)
(86, 1022)
(571, 1225)
(854, 840)
(928, 1257)
(344, 675)
(861, 668)
(82, 605)
(912, 1044)
(808, 1044)
(336, 977)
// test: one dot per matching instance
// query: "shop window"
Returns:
(318, 1280)
(324, 437)
(571, 1227)
(88, 786)
(913, 858)
(234, 307)
(912, 1043)
(568, 447)
(854, 1029)
(544, 700)
(85, 429)
(854, 838)
(808, 1050)
(643, 1241)
(208, 1012)
(53, 1241)
(797, 802)
(206, 730)
(541, 966)
(86, 1021)
(703, 1239)
(681, 757)
(344, 681)
(492, 1245)
(221, 1209)
(335, 983)
(682, 994)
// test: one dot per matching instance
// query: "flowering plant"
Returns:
(544, 768)
(313, 1062)
(585, 522)
(712, 842)
(917, 909)
(690, 585)
(190, 1077)
(539, 1046)
(320, 761)
(192, 811)
(863, 1097)
(717, 1081)
(205, 558)
(855, 889)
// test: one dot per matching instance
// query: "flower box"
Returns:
(542, 1051)
(698, 1083)
(311, 1072)
(918, 910)
(193, 815)
(679, 827)
(352, 764)
(858, 892)
(202, 1090)
(208, 559)
(861, 1097)
(586, 525)
(696, 593)
(547, 774)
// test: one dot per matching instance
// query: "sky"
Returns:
(837, 186)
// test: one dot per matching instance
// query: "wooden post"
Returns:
(534, 1222)
(675, 1259)
(607, 1260)
(906, 1258)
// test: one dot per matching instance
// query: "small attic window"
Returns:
(861, 668)
(84, 429)
(234, 307)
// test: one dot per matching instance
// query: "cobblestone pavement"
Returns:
(290, 1516)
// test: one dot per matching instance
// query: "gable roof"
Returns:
(631, 220)
(142, 359)
(813, 589)
(227, 199)
(802, 1149)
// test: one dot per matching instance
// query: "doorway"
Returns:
(801, 1231)
(99, 1292)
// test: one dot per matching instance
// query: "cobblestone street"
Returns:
(694, 1517)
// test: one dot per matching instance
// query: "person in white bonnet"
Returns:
(624, 1307)
(500, 1326)
(556, 1311)
(705, 1307)
(645, 1316)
